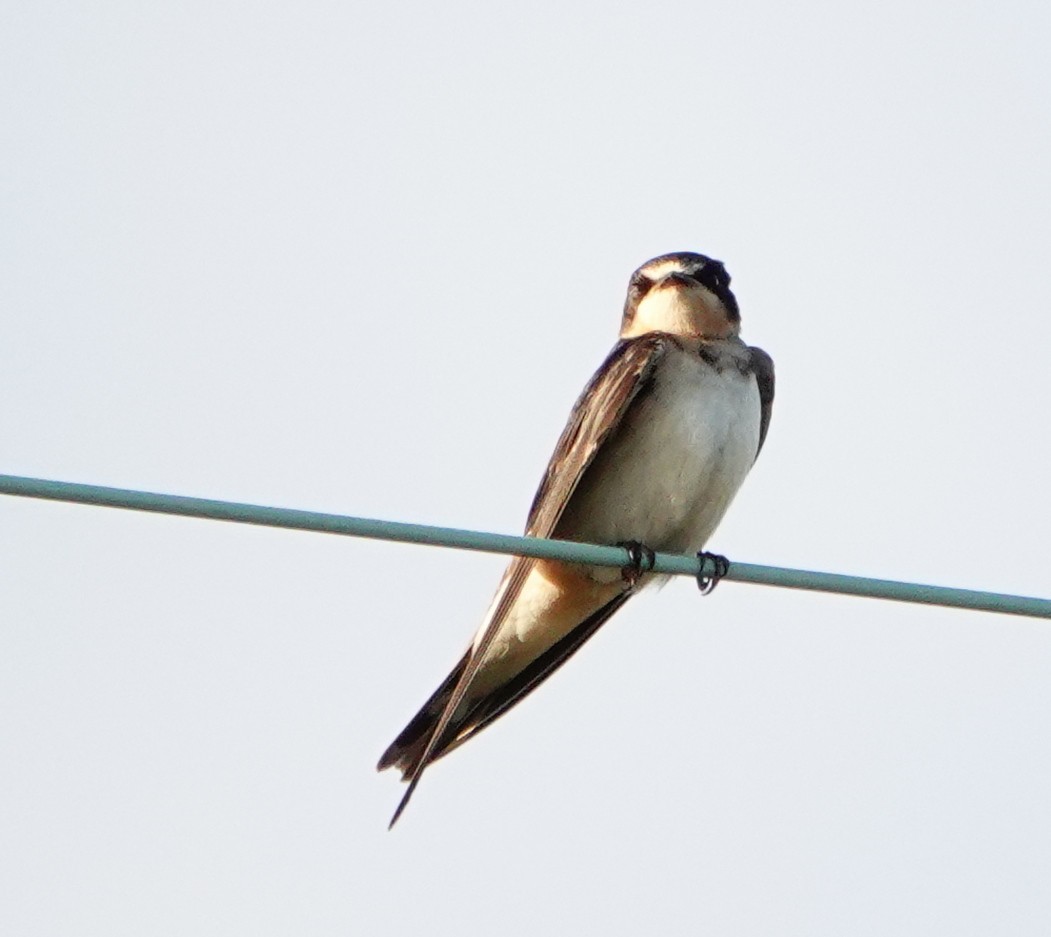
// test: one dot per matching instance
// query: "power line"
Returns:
(589, 554)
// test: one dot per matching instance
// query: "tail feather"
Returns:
(405, 751)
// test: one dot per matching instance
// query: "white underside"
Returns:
(669, 474)
(665, 479)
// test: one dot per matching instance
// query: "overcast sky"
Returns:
(362, 258)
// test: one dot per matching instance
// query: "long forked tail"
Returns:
(408, 750)
(405, 751)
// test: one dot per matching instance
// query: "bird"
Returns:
(654, 450)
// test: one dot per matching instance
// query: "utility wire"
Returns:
(589, 554)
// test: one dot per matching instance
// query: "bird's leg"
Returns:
(641, 561)
(708, 581)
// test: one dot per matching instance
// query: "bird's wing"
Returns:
(625, 374)
(762, 366)
(618, 382)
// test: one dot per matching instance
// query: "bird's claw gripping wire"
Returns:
(708, 581)
(642, 560)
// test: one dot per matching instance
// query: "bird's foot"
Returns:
(708, 578)
(641, 560)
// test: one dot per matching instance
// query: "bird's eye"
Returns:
(641, 284)
(713, 275)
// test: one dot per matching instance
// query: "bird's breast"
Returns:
(671, 469)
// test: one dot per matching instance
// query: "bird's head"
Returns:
(684, 294)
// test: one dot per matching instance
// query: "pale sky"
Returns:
(357, 259)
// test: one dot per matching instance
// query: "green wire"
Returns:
(585, 553)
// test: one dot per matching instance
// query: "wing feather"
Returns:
(622, 377)
(625, 374)
(762, 366)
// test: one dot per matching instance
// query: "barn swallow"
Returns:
(653, 453)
